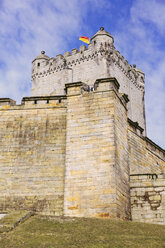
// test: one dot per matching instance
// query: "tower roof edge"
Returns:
(102, 32)
(41, 56)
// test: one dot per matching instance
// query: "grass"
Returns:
(39, 232)
(12, 219)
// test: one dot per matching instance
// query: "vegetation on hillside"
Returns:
(39, 232)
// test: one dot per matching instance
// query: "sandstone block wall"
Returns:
(148, 198)
(147, 178)
(32, 155)
(144, 156)
(79, 155)
(122, 170)
(96, 179)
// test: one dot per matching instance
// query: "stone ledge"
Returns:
(33, 98)
(74, 89)
(154, 145)
(135, 125)
(7, 101)
(113, 80)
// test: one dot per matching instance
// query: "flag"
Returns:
(84, 39)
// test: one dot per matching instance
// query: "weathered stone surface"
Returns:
(83, 152)
(72, 155)
(32, 156)
(147, 179)
(96, 153)
(148, 198)
(99, 60)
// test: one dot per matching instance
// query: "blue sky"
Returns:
(138, 28)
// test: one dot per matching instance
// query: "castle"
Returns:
(78, 147)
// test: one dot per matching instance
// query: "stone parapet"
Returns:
(73, 89)
(84, 54)
(134, 125)
(104, 84)
(7, 101)
(157, 150)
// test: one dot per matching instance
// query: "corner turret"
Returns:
(39, 62)
(101, 37)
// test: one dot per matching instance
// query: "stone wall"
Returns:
(79, 155)
(148, 198)
(51, 76)
(147, 178)
(136, 111)
(121, 157)
(99, 60)
(145, 157)
(96, 179)
(32, 154)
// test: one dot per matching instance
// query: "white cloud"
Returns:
(152, 12)
(26, 28)
(149, 10)
(140, 40)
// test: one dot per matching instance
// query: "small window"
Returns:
(59, 100)
(94, 42)
(38, 64)
(35, 101)
(47, 101)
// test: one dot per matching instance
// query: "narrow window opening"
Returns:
(59, 101)
(38, 64)
(47, 101)
(35, 101)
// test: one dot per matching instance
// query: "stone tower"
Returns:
(96, 162)
(99, 60)
(78, 146)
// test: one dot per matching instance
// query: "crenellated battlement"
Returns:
(99, 60)
(84, 54)
(34, 103)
